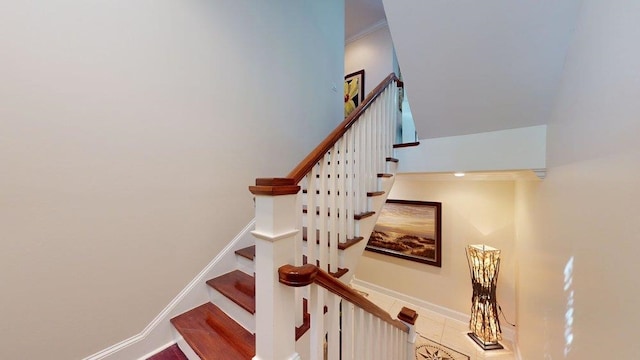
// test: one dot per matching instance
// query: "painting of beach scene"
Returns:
(409, 230)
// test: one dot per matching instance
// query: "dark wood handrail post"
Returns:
(409, 318)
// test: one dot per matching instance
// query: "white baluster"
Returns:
(381, 108)
(360, 334)
(322, 214)
(333, 210)
(316, 310)
(348, 323)
(312, 223)
(341, 197)
(359, 169)
(298, 256)
(350, 169)
(370, 334)
(333, 328)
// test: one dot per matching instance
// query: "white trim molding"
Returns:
(371, 29)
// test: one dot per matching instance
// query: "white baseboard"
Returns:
(508, 334)
(516, 350)
(158, 334)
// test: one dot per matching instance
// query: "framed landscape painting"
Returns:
(410, 230)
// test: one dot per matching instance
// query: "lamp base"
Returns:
(485, 346)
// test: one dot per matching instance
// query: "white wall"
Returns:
(129, 132)
(586, 211)
(473, 212)
(513, 149)
(374, 53)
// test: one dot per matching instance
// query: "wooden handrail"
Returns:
(284, 186)
(312, 159)
(308, 274)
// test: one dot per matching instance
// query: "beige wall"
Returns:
(473, 212)
(578, 230)
(373, 53)
(129, 132)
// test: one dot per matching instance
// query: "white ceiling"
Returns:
(474, 66)
(361, 15)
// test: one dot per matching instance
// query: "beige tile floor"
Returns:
(446, 331)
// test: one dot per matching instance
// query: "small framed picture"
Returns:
(353, 91)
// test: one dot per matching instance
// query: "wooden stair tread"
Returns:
(238, 287)
(375, 193)
(391, 159)
(337, 274)
(341, 245)
(364, 215)
(385, 175)
(409, 144)
(212, 334)
(249, 252)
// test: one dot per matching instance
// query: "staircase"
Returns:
(287, 298)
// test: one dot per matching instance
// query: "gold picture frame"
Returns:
(353, 91)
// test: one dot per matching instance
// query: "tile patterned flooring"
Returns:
(444, 330)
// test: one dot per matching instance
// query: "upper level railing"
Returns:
(295, 227)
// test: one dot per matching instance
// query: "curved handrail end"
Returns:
(297, 276)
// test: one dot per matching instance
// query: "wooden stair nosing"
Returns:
(392, 159)
(336, 274)
(238, 287)
(383, 175)
(341, 245)
(212, 334)
(248, 252)
(409, 144)
(364, 215)
(360, 216)
(375, 193)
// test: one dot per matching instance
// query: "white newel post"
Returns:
(409, 317)
(275, 234)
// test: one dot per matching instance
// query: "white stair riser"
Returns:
(245, 265)
(235, 311)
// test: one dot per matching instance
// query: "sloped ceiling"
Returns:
(361, 15)
(474, 66)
